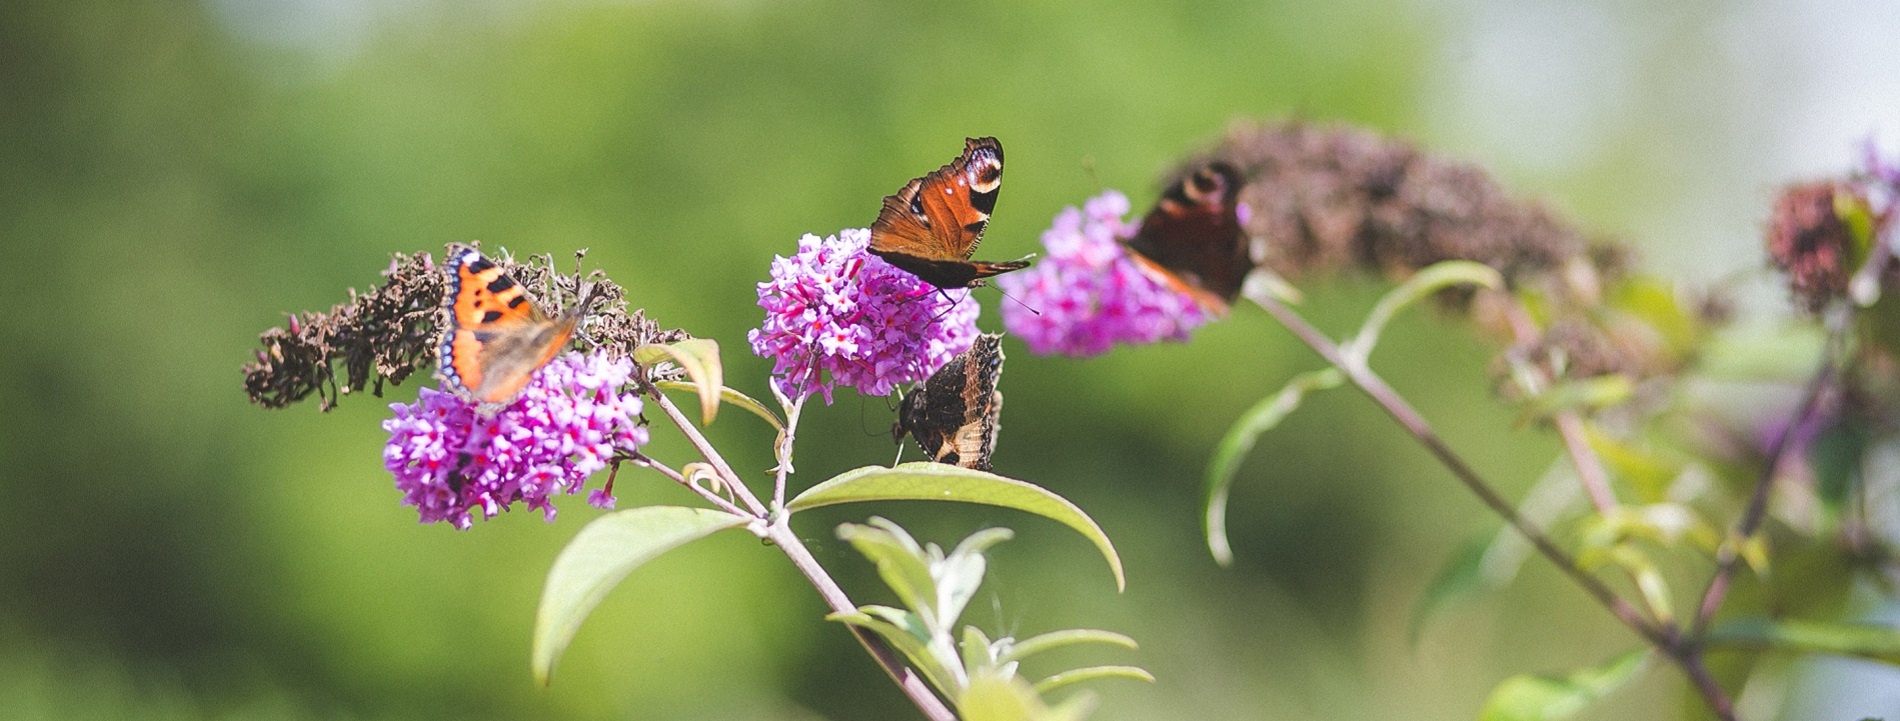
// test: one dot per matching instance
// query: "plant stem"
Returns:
(1590, 472)
(1729, 556)
(681, 479)
(792, 411)
(1596, 481)
(1409, 418)
(711, 454)
(780, 533)
(788, 543)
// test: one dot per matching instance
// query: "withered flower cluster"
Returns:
(394, 330)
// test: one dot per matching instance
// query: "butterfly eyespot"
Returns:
(917, 205)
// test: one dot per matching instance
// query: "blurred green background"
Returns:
(175, 176)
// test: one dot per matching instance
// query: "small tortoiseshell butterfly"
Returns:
(1193, 239)
(497, 337)
(954, 415)
(931, 227)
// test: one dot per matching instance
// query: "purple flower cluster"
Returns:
(449, 459)
(1090, 293)
(837, 315)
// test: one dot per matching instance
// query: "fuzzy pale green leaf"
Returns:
(600, 556)
(907, 641)
(925, 481)
(1240, 439)
(1879, 643)
(1546, 698)
(1091, 673)
(1057, 639)
(1433, 278)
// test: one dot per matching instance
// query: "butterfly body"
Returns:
(497, 337)
(954, 415)
(1193, 239)
(932, 226)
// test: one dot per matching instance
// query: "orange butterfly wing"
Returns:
(932, 226)
(1193, 240)
(497, 336)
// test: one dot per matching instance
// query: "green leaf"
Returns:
(1091, 673)
(998, 698)
(899, 560)
(1835, 455)
(975, 651)
(1462, 576)
(1878, 643)
(926, 481)
(909, 639)
(1545, 698)
(1240, 438)
(699, 357)
(728, 395)
(1057, 639)
(1580, 393)
(600, 556)
(1647, 473)
(1433, 278)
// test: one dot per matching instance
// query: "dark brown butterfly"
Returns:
(953, 415)
(931, 227)
(1193, 239)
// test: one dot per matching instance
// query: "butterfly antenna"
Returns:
(1025, 306)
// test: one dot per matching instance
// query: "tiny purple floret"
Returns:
(837, 315)
(449, 459)
(1091, 294)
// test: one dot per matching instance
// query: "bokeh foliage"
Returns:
(175, 176)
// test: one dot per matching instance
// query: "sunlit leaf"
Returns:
(699, 357)
(1591, 393)
(1091, 673)
(925, 481)
(1000, 698)
(898, 558)
(1879, 643)
(1545, 698)
(1431, 279)
(1652, 301)
(908, 639)
(1057, 639)
(1240, 439)
(1648, 474)
(600, 556)
(728, 395)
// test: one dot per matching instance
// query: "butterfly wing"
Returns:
(932, 226)
(497, 336)
(954, 416)
(1193, 240)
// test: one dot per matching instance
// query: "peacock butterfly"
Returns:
(954, 414)
(931, 227)
(497, 337)
(1193, 239)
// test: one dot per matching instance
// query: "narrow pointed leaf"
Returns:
(1091, 673)
(1433, 278)
(1239, 441)
(728, 395)
(1545, 698)
(906, 642)
(1879, 643)
(904, 571)
(600, 556)
(699, 357)
(1057, 639)
(925, 481)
